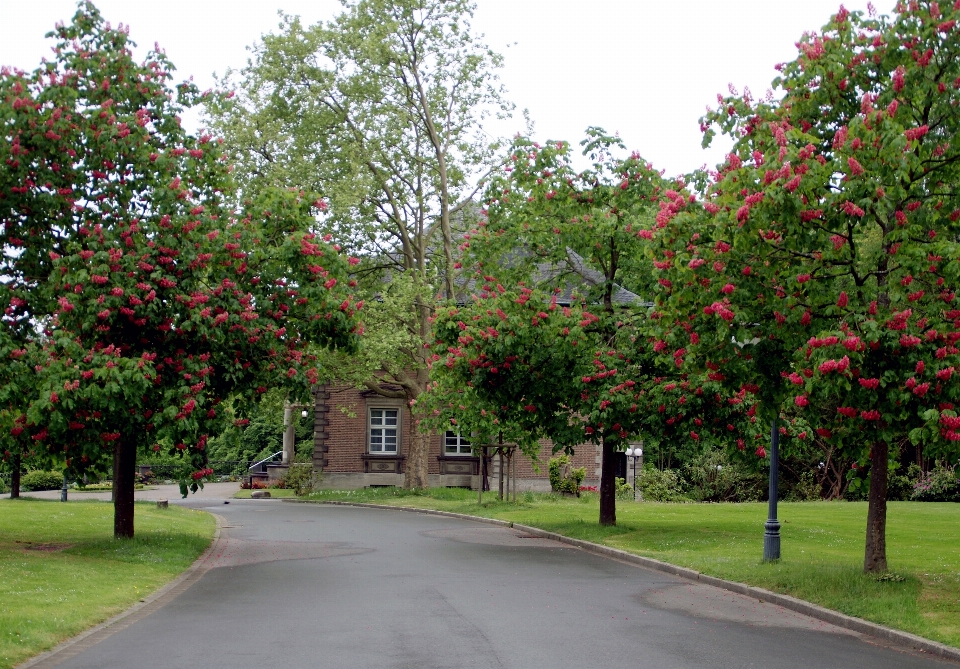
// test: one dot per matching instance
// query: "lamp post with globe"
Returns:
(635, 453)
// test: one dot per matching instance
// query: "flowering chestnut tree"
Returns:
(154, 301)
(567, 352)
(827, 248)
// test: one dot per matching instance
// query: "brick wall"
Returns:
(341, 436)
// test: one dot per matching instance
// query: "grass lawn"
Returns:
(822, 547)
(274, 493)
(61, 570)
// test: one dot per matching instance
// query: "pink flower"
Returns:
(803, 278)
(842, 300)
(870, 415)
(727, 289)
(801, 401)
(353, 261)
(761, 452)
(849, 412)
(870, 384)
(898, 82)
(856, 169)
(852, 209)
(916, 133)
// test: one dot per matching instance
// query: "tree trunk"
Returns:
(124, 468)
(608, 490)
(416, 464)
(15, 477)
(875, 554)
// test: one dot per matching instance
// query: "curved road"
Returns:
(301, 585)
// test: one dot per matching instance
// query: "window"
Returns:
(454, 444)
(383, 430)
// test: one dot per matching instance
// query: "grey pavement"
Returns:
(299, 585)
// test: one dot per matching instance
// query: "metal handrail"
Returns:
(268, 459)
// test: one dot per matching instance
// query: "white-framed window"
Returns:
(454, 444)
(383, 431)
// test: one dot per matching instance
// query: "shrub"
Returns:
(658, 485)
(3, 486)
(900, 487)
(713, 477)
(624, 490)
(563, 478)
(301, 479)
(806, 489)
(939, 485)
(37, 480)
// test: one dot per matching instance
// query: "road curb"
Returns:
(844, 621)
(77, 644)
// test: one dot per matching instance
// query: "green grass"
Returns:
(61, 570)
(274, 492)
(822, 547)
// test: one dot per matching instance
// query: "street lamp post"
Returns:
(635, 452)
(63, 490)
(771, 535)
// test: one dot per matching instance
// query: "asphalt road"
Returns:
(297, 585)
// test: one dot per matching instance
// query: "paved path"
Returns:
(298, 585)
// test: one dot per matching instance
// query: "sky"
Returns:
(643, 69)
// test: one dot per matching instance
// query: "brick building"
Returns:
(361, 440)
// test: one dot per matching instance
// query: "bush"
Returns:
(301, 479)
(37, 480)
(3, 486)
(563, 478)
(624, 490)
(713, 477)
(939, 485)
(806, 489)
(900, 487)
(661, 485)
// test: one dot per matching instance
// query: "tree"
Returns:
(382, 109)
(588, 371)
(829, 240)
(156, 300)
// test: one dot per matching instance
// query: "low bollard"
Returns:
(162, 504)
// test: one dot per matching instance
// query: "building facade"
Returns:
(361, 439)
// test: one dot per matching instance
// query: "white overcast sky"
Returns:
(645, 69)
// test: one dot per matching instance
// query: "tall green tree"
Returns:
(824, 263)
(383, 110)
(576, 358)
(154, 298)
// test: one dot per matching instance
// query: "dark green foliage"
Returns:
(900, 487)
(39, 480)
(714, 477)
